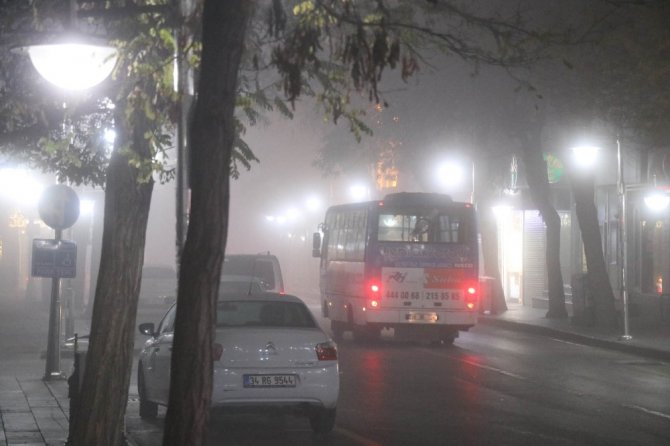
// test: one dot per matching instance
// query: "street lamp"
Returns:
(451, 175)
(585, 156)
(359, 192)
(657, 201)
(73, 61)
(73, 66)
(312, 204)
(18, 185)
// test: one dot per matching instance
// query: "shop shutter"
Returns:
(534, 260)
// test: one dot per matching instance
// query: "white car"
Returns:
(273, 355)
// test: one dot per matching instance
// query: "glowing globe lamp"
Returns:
(73, 66)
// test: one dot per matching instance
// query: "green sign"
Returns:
(555, 168)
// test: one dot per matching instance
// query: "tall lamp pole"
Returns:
(624, 241)
(71, 65)
(472, 192)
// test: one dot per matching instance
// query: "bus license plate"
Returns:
(269, 380)
(421, 317)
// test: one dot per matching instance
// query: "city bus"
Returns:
(409, 262)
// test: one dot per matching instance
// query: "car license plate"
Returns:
(269, 380)
(421, 317)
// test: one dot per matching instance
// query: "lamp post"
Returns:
(72, 66)
(621, 189)
(586, 157)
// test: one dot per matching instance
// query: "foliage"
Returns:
(633, 71)
(337, 52)
(615, 72)
(62, 132)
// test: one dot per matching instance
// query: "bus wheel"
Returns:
(337, 327)
(446, 342)
(446, 338)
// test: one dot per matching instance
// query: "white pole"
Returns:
(472, 193)
(624, 242)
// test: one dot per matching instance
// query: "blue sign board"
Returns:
(54, 258)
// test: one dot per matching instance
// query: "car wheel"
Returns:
(148, 409)
(322, 421)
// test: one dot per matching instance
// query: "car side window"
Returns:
(167, 324)
(265, 271)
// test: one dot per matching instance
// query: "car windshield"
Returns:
(263, 314)
(248, 286)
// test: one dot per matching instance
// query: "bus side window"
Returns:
(332, 225)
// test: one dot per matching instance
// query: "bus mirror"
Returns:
(316, 244)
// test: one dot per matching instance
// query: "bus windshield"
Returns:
(425, 226)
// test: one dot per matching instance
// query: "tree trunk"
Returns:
(538, 185)
(212, 135)
(599, 284)
(102, 402)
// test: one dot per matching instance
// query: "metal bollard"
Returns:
(75, 382)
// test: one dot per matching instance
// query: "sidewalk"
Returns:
(35, 412)
(648, 339)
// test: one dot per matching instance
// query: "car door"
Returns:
(159, 358)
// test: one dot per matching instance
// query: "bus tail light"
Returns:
(374, 294)
(471, 295)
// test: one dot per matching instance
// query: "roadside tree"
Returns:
(331, 51)
(611, 85)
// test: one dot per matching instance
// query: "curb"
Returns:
(577, 338)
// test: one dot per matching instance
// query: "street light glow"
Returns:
(20, 186)
(109, 136)
(501, 210)
(657, 201)
(313, 204)
(73, 66)
(358, 192)
(292, 214)
(86, 207)
(585, 156)
(451, 174)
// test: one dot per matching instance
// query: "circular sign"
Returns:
(59, 206)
